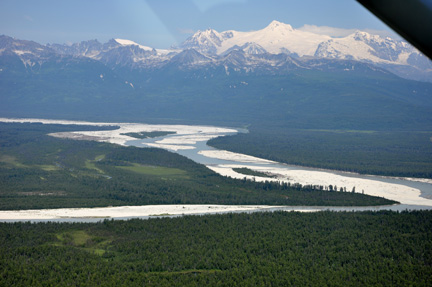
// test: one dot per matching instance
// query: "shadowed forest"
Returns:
(260, 249)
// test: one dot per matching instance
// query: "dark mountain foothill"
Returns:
(90, 80)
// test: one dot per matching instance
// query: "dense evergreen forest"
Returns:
(39, 171)
(389, 153)
(259, 249)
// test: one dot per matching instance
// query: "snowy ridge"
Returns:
(398, 57)
(248, 48)
(129, 43)
(278, 37)
(124, 42)
(208, 41)
(274, 47)
(363, 46)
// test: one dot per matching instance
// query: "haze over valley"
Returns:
(256, 152)
(230, 78)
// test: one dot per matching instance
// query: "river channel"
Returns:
(191, 142)
(400, 189)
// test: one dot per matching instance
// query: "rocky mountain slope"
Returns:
(228, 78)
(277, 45)
(396, 56)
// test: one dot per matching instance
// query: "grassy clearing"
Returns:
(90, 164)
(100, 157)
(8, 159)
(84, 241)
(48, 167)
(75, 238)
(11, 160)
(155, 170)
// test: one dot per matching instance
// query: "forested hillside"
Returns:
(260, 249)
(389, 153)
(325, 96)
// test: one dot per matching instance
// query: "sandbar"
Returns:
(125, 211)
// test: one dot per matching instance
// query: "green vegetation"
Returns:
(328, 98)
(11, 160)
(390, 153)
(260, 249)
(90, 174)
(81, 240)
(362, 121)
(91, 164)
(75, 238)
(248, 171)
(156, 170)
(145, 135)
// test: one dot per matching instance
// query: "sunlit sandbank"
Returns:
(401, 193)
(232, 156)
(126, 211)
(186, 137)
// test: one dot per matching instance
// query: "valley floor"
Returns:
(407, 191)
(403, 190)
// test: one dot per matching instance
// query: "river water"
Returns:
(200, 148)
(191, 142)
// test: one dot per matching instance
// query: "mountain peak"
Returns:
(190, 57)
(362, 35)
(276, 25)
(124, 42)
(208, 34)
(204, 41)
(210, 31)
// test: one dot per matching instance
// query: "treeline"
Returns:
(389, 153)
(144, 135)
(248, 171)
(260, 249)
(39, 171)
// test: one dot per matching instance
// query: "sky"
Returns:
(166, 23)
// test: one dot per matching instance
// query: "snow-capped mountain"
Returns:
(245, 51)
(127, 43)
(90, 49)
(94, 49)
(397, 56)
(230, 76)
(117, 52)
(275, 38)
(207, 42)
(190, 57)
(30, 53)
(365, 47)
(282, 38)
(248, 48)
(278, 38)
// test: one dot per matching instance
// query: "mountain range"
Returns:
(271, 49)
(277, 74)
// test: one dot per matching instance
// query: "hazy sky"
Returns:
(162, 23)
